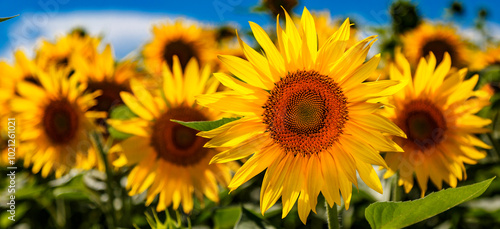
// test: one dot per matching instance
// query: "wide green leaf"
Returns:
(206, 125)
(225, 218)
(402, 214)
(251, 220)
(7, 18)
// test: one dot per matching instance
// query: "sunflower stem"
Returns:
(396, 190)
(111, 218)
(332, 214)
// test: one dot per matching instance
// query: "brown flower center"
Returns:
(182, 49)
(176, 143)
(306, 112)
(110, 96)
(274, 6)
(423, 123)
(60, 121)
(33, 80)
(439, 48)
(61, 62)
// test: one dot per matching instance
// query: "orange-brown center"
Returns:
(182, 49)
(110, 96)
(176, 143)
(60, 121)
(423, 123)
(439, 47)
(305, 112)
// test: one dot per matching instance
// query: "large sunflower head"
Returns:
(305, 116)
(59, 54)
(55, 124)
(438, 39)
(179, 39)
(436, 111)
(170, 161)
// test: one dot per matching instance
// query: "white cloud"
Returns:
(472, 34)
(125, 30)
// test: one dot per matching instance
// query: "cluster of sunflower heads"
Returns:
(200, 111)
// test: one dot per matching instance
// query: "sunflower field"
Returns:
(308, 120)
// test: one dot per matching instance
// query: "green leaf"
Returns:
(75, 189)
(120, 112)
(7, 18)
(403, 214)
(251, 220)
(226, 217)
(19, 211)
(206, 125)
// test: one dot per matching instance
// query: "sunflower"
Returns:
(6, 93)
(102, 73)
(276, 7)
(54, 124)
(438, 39)
(60, 53)
(306, 118)
(484, 59)
(169, 158)
(181, 40)
(436, 111)
(23, 69)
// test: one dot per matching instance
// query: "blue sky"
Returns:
(126, 24)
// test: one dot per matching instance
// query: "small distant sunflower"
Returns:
(484, 59)
(54, 123)
(101, 73)
(169, 158)
(22, 69)
(438, 39)
(436, 111)
(59, 54)
(181, 40)
(306, 118)
(276, 7)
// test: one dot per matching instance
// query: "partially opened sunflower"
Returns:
(436, 110)
(305, 116)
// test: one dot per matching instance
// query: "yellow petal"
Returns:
(255, 165)
(361, 151)
(135, 106)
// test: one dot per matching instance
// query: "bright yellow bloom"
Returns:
(170, 161)
(22, 69)
(436, 111)
(181, 40)
(54, 124)
(60, 53)
(438, 39)
(101, 72)
(484, 59)
(306, 118)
